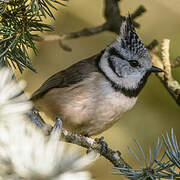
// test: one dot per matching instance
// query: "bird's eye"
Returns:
(134, 63)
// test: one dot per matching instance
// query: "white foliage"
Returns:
(25, 152)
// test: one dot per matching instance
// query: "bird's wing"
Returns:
(69, 76)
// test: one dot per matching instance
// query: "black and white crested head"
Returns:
(126, 62)
(129, 39)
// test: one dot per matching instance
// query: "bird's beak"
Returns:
(156, 69)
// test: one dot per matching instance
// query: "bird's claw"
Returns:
(57, 126)
(104, 145)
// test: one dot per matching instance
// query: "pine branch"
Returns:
(166, 166)
(20, 22)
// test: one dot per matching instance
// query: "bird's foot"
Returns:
(57, 126)
(104, 145)
(48, 129)
(35, 118)
(55, 132)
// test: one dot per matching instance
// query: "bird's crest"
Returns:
(129, 39)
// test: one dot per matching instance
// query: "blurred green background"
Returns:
(155, 112)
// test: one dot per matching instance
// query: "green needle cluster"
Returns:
(20, 22)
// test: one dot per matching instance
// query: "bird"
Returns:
(94, 93)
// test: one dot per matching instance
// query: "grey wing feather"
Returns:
(69, 76)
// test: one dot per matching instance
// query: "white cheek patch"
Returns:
(129, 82)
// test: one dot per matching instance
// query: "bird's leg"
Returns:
(36, 119)
(104, 145)
(55, 133)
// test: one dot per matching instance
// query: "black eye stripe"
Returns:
(114, 52)
(112, 66)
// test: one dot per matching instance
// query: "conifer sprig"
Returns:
(20, 21)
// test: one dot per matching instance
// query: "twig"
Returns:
(113, 156)
(172, 86)
(85, 32)
(51, 38)
(176, 63)
(89, 143)
(151, 46)
(165, 60)
(113, 21)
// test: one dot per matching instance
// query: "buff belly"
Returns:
(88, 108)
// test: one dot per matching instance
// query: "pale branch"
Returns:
(89, 143)
(165, 60)
(172, 85)
(51, 38)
